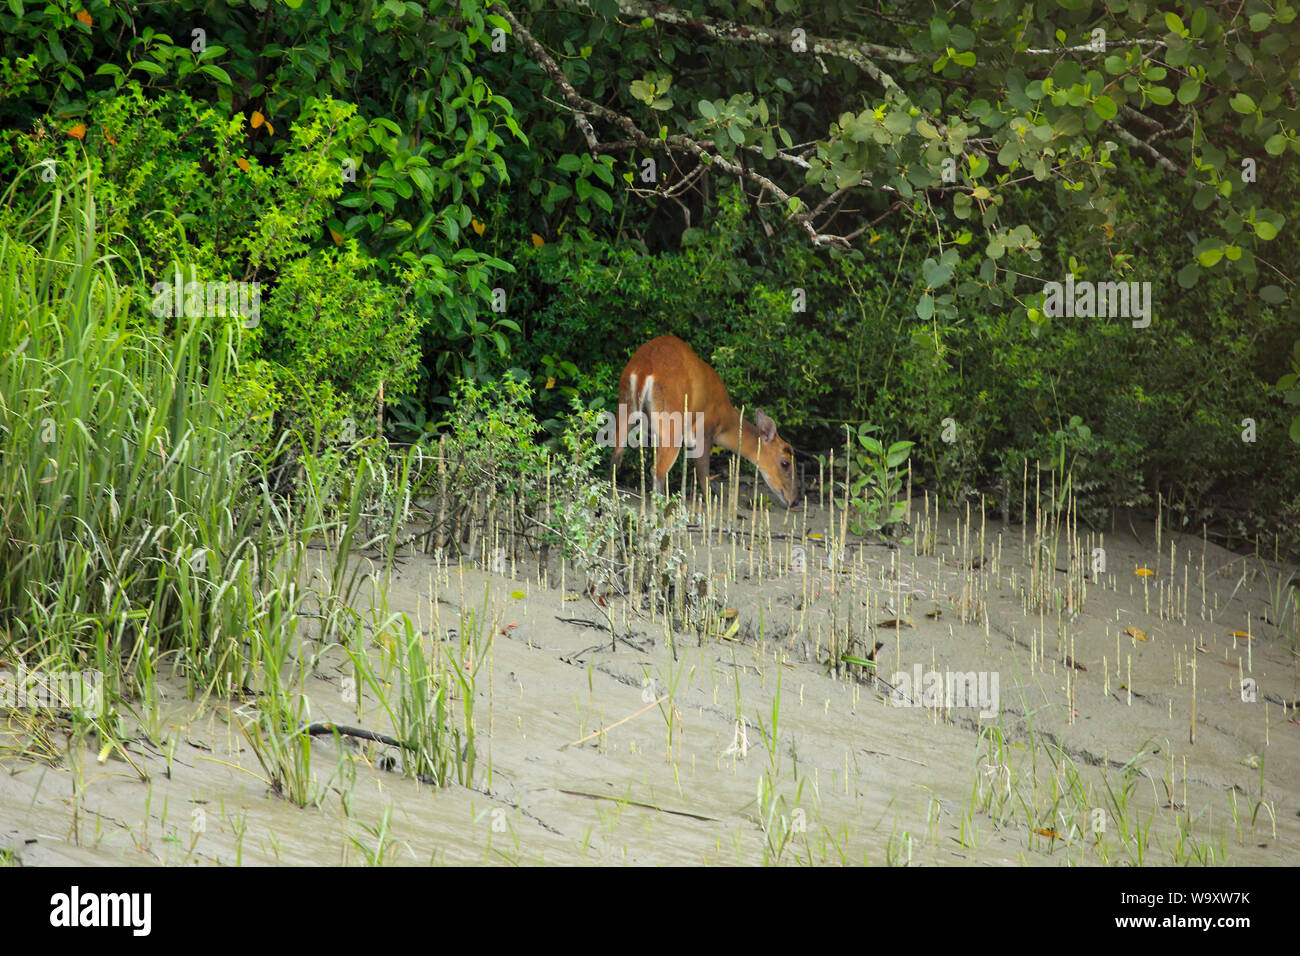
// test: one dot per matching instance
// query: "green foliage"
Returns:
(1289, 386)
(594, 303)
(876, 481)
(177, 109)
(494, 442)
(494, 436)
(132, 521)
(434, 128)
(167, 170)
(975, 153)
(167, 177)
(333, 322)
(1007, 388)
(560, 387)
(949, 116)
(136, 521)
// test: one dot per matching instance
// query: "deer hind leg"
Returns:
(699, 443)
(665, 458)
(702, 468)
(665, 434)
(667, 445)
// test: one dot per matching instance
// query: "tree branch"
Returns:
(1158, 157)
(861, 55)
(580, 105)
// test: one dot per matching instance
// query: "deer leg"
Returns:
(665, 458)
(702, 469)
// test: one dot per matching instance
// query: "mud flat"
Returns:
(1028, 707)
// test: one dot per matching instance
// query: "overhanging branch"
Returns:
(861, 55)
(582, 106)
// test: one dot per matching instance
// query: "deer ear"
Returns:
(766, 427)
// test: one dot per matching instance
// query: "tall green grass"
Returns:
(137, 526)
(132, 522)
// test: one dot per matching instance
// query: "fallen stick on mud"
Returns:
(638, 803)
(315, 730)
(597, 733)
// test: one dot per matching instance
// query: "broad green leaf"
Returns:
(1189, 90)
(1242, 103)
(1105, 107)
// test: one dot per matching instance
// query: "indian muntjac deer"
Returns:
(687, 405)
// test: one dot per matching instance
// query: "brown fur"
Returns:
(683, 382)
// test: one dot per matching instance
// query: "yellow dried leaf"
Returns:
(538, 241)
(478, 226)
(243, 164)
(1143, 572)
(1136, 634)
(256, 120)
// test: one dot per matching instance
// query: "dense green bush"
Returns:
(1160, 408)
(130, 500)
(367, 163)
(338, 331)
